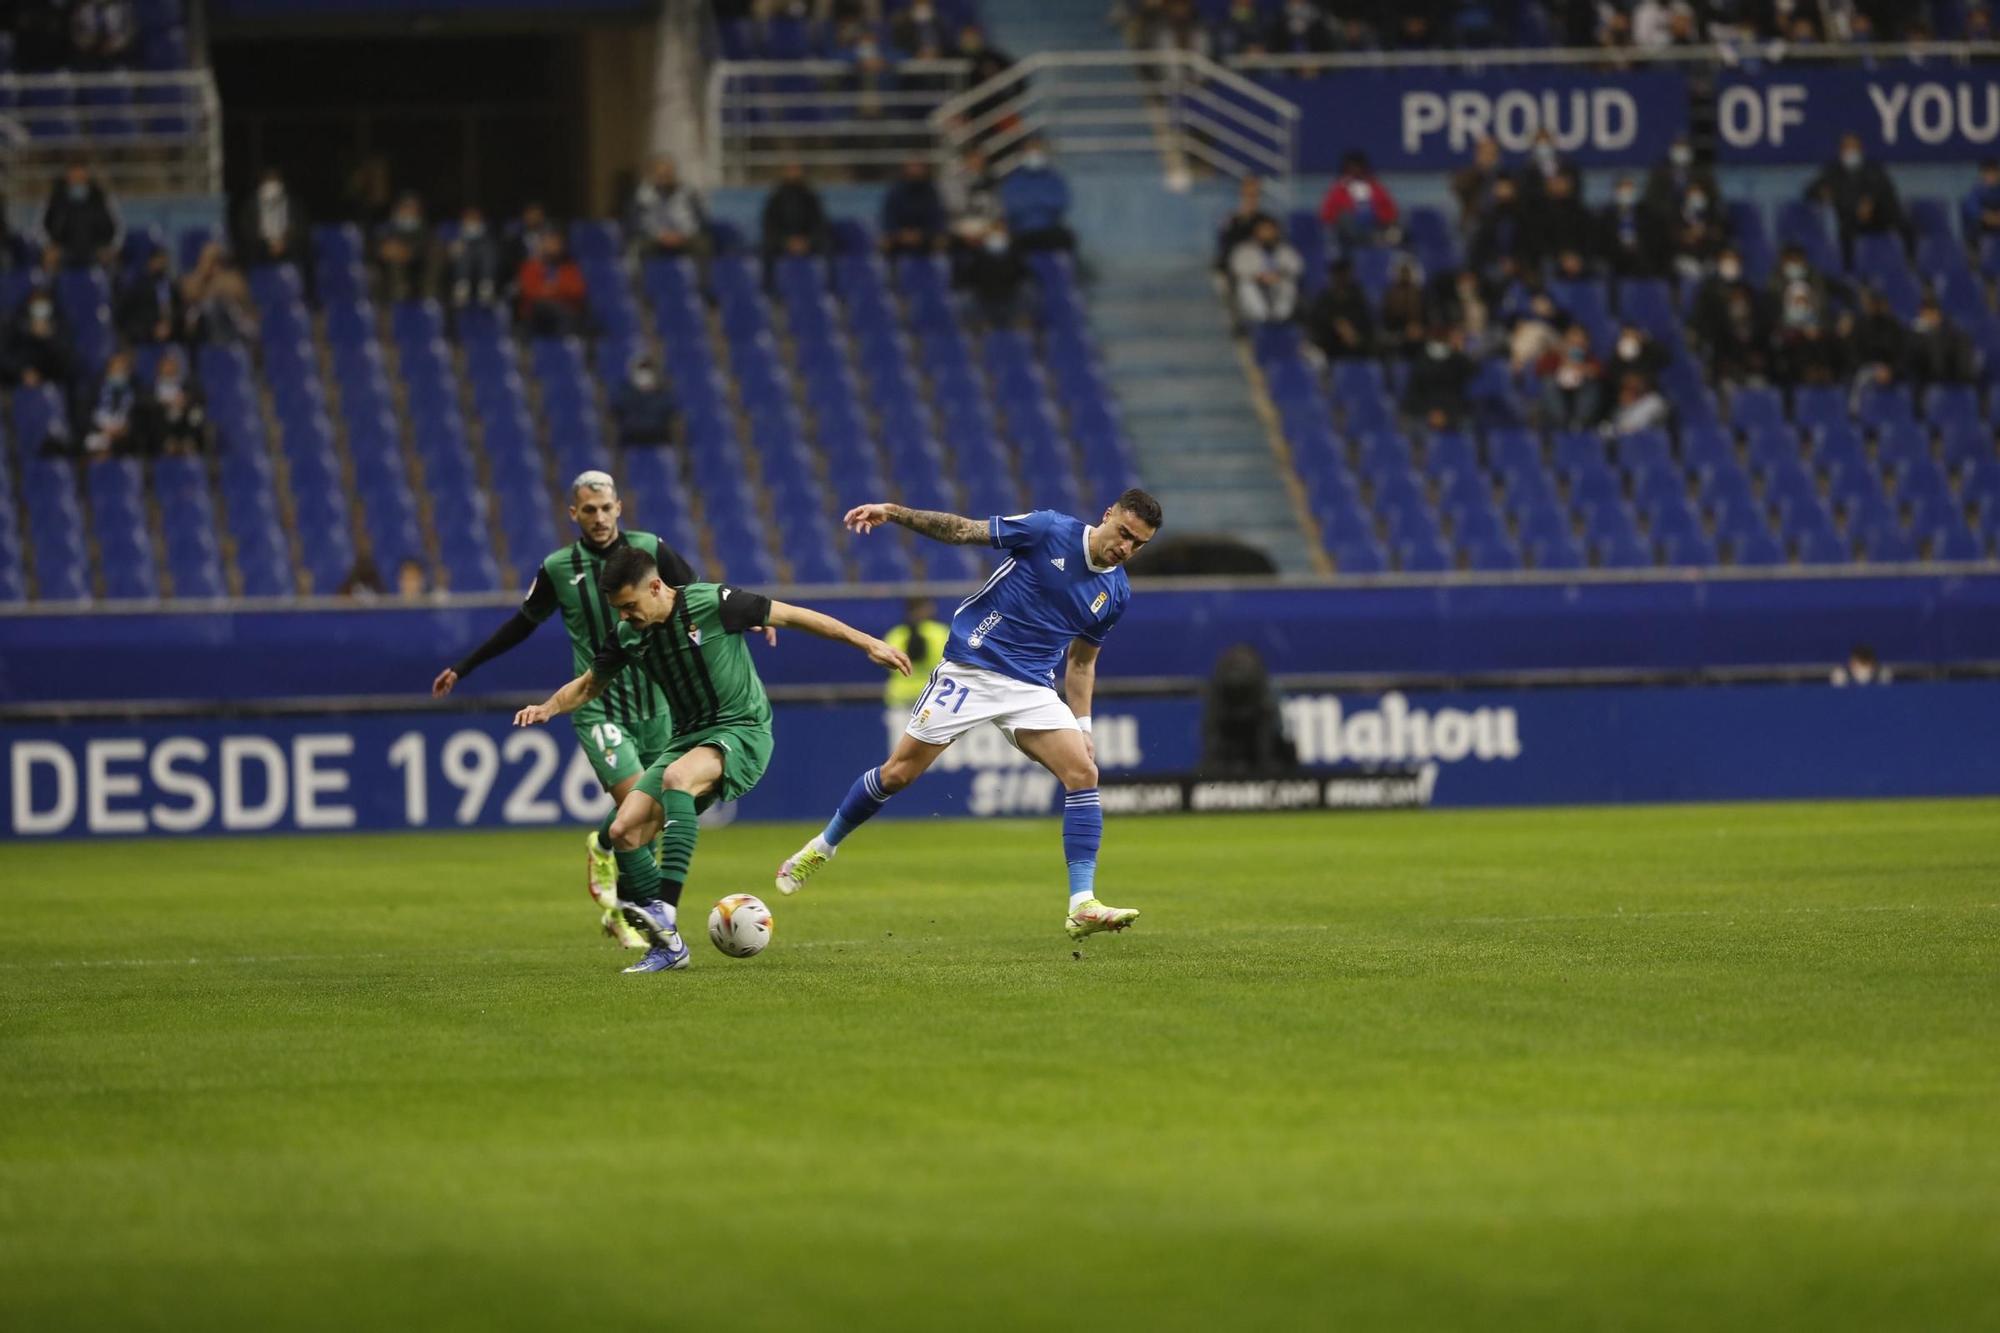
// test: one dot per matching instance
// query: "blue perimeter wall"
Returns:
(436, 770)
(1395, 631)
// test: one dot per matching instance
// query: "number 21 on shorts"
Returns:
(944, 695)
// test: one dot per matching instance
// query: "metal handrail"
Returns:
(1177, 110)
(133, 155)
(738, 141)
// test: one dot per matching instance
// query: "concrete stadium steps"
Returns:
(1023, 27)
(1172, 362)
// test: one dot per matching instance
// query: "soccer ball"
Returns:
(740, 925)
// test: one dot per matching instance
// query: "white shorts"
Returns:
(959, 698)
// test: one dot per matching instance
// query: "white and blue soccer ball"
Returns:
(740, 925)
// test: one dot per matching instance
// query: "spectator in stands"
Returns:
(271, 227)
(1863, 198)
(1036, 200)
(215, 299)
(1572, 383)
(174, 418)
(524, 237)
(666, 216)
(1980, 210)
(913, 216)
(1241, 31)
(986, 62)
(1460, 301)
(1559, 222)
(80, 220)
(1544, 165)
(404, 253)
(994, 273)
(1803, 306)
(922, 636)
(411, 583)
(1671, 181)
(148, 307)
(1436, 394)
(1640, 407)
(643, 407)
(363, 582)
(552, 291)
(114, 418)
(1534, 322)
(1358, 207)
(472, 260)
(101, 33)
(1739, 344)
(1698, 234)
(1299, 29)
(1861, 668)
(918, 31)
(1472, 184)
(1660, 24)
(1937, 353)
(1877, 341)
(1338, 321)
(1501, 234)
(972, 197)
(1629, 243)
(1636, 354)
(859, 46)
(1405, 312)
(1265, 271)
(1239, 225)
(795, 221)
(38, 349)
(1711, 297)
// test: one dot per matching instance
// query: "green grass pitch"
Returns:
(1688, 1068)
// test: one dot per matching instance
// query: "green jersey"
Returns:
(696, 658)
(567, 582)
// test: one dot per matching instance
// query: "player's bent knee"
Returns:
(628, 837)
(1081, 777)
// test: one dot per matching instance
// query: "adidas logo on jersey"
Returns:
(1058, 563)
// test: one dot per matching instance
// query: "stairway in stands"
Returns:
(1187, 406)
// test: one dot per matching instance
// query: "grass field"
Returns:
(1676, 1068)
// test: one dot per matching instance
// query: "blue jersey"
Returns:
(1022, 619)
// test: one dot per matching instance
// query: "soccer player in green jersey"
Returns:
(687, 642)
(628, 728)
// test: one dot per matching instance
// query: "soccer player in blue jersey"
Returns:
(1060, 590)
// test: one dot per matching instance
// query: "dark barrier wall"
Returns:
(1490, 748)
(1443, 630)
(1429, 119)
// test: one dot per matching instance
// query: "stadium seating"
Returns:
(1766, 478)
(410, 434)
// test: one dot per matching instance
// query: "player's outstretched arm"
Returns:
(951, 529)
(786, 616)
(565, 700)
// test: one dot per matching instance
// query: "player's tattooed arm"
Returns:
(952, 529)
(584, 689)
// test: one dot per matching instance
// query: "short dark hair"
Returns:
(1142, 506)
(627, 567)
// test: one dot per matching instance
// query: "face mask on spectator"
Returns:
(1697, 203)
(79, 190)
(1795, 270)
(270, 191)
(996, 243)
(1851, 159)
(167, 387)
(472, 231)
(1681, 155)
(1730, 270)
(1545, 154)
(1576, 354)
(1927, 322)
(921, 13)
(1438, 351)
(1628, 348)
(1035, 159)
(1626, 196)
(41, 310)
(645, 378)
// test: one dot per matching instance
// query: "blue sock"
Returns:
(863, 799)
(1083, 831)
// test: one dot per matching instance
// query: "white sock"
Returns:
(821, 845)
(1077, 900)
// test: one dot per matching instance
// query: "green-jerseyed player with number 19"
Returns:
(626, 730)
(686, 641)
